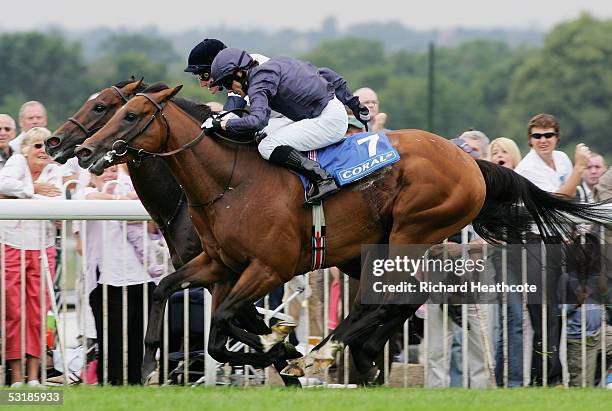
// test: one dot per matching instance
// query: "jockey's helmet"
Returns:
(203, 54)
(227, 63)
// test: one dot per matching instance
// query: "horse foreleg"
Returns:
(255, 282)
(366, 354)
(201, 271)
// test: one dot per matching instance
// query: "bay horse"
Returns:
(150, 178)
(255, 233)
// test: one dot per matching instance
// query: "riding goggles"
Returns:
(204, 75)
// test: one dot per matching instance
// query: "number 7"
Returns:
(373, 139)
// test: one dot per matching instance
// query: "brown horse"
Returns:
(254, 230)
(151, 177)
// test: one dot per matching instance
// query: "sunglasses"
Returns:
(204, 76)
(38, 145)
(538, 136)
(6, 128)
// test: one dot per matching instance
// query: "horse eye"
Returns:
(130, 116)
(99, 108)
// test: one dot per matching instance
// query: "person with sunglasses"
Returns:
(311, 99)
(7, 133)
(551, 170)
(29, 174)
(199, 61)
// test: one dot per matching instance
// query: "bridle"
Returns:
(121, 147)
(90, 132)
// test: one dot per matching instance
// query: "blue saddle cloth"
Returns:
(355, 157)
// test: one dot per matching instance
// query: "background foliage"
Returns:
(494, 84)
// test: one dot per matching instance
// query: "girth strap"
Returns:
(318, 236)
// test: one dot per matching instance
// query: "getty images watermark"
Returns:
(486, 274)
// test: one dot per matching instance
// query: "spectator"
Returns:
(369, 98)
(7, 133)
(505, 152)
(590, 176)
(28, 175)
(552, 171)
(574, 341)
(135, 232)
(549, 169)
(478, 318)
(603, 192)
(31, 114)
(474, 143)
(584, 293)
(110, 263)
(477, 141)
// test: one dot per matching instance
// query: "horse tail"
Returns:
(512, 203)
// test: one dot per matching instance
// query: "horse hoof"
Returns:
(294, 369)
(371, 377)
(280, 331)
(148, 380)
(284, 327)
(321, 364)
(148, 370)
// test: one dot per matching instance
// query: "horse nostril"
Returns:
(84, 153)
(53, 141)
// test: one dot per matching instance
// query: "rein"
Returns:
(122, 147)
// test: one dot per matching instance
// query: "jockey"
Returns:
(199, 61)
(311, 100)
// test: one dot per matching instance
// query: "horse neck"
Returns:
(150, 178)
(203, 170)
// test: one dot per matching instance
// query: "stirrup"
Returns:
(323, 189)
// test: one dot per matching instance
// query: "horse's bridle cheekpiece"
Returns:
(90, 132)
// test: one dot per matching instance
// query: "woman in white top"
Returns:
(113, 260)
(30, 174)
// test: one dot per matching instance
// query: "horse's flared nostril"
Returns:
(83, 153)
(53, 141)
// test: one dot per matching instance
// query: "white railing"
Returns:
(66, 210)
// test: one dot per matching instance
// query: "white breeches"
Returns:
(308, 134)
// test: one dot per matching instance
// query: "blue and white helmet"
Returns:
(226, 63)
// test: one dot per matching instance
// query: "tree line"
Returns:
(483, 84)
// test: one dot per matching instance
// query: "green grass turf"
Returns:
(317, 399)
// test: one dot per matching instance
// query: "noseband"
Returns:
(121, 147)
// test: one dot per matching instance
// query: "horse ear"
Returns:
(139, 82)
(169, 93)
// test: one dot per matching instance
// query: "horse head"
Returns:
(89, 118)
(130, 130)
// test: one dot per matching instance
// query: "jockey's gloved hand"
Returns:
(213, 124)
(362, 114)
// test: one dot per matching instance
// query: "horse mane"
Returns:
(197, 110)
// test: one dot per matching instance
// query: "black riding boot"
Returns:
(322, 184)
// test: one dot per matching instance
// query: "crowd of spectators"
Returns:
(118, 256)
(27, 172)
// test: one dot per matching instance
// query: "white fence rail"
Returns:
(69, 210)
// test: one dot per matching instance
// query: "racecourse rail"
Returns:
(71, 210)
